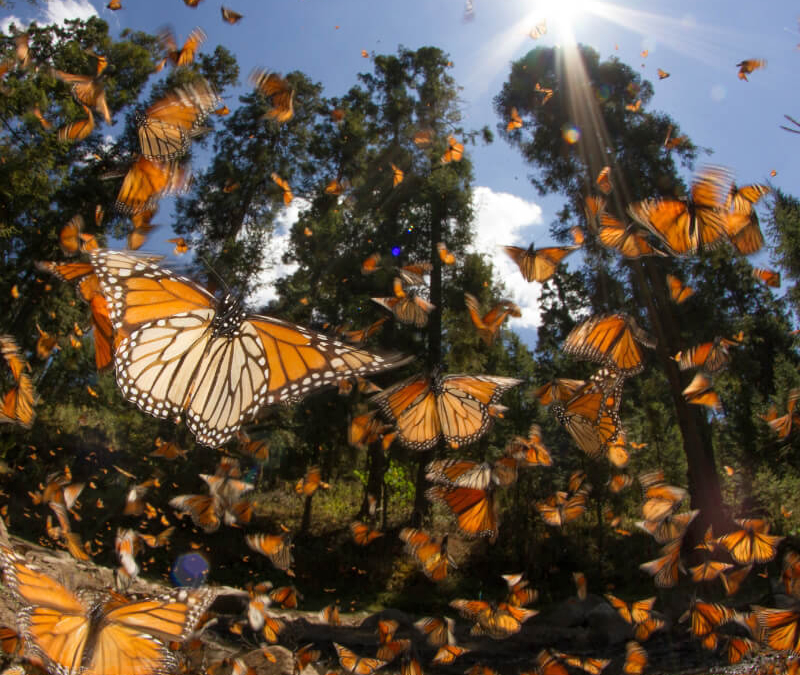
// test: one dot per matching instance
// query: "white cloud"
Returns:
(278, 245)
(58, 11)
(504, 219)
(6, 24)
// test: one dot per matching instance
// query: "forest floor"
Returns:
(586, 628)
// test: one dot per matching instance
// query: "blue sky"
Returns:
(699, 43)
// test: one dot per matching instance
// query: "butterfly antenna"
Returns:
(214, 272)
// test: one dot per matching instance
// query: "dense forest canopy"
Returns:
(664, 361)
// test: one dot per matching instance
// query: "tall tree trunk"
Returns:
(305, 524)
(377, 470)
(438, 217)
(704, 486)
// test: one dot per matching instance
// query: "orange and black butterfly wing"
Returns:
(47, 607)
(475, 510)
(411, 406)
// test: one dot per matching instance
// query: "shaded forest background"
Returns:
(732, 463)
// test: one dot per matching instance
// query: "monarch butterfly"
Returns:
(203, 509)
(708, 570)
(592, 207)
(706, 617)
(146, 181)
(278, 548)
(18, 403)
(390, 650)
(286, 596)
(353, 663)
(438, 631)
(360, 336)
(635, 659)
(230, 16)
(447, 653)
(612, 340)
(185, 55)
(752, 543)
(685, 226)
(363, 535)
(558, 509)
(635, 612)
(284, 186)
(454, 407)
(397, 175)
(88, 91)
(444, 255)
(141, 228)
(454, 152)
(489, 323)
(110, 633)
(711, 357)
(515, 122)
(664, 570)
(699, 392)
(660, 499)
(475, 510)
(748, 66)
(278, 91)
(741, 199)
(78, 130)
(678, 291)
(580, 586)
(167, 127)
(538, 264)
(180, 245)
(409, 308)
(548, 93)
(12, 356)
(538, 30)
(430, 553)
(749, 239)
(627, 239)
(560, 389)
(182, 351)
(590, 665)
(365, 429)
(618, 482)
(603, 181)
(671, 143)
(733, 580)
(591, 416)
(334, 187)
(423, 138)
(69, 236)
(548, 664)
(89, 289)
(304, 656)
(530, 451)
(413, 273)
(662, 74)
(769, 277)
(670, 528)
(498, 621)
(635, 106)
(311, 482)
(114, 5)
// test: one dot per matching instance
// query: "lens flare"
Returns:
(570, 133)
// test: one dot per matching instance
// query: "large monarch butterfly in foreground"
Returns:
(181, 351)
(106, 633)
(459, 408)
